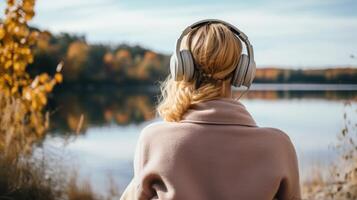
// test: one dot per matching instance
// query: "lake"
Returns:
(96, 131)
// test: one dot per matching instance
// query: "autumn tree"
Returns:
(22, 97)
(76, 58)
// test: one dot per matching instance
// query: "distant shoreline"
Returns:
(302, 87)
(255, 87)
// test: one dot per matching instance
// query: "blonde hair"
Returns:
(215, 50)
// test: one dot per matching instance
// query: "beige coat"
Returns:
(217, 152)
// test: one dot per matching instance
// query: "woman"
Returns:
(209, 147)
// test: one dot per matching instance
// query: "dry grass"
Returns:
(342, 182)
(79, 192)
(24, 176)
(31, 179)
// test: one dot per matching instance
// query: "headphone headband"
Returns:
(231, 27)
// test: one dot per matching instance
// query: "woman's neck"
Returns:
(227, 90)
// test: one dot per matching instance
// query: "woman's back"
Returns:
(209, 147)
(215, 152)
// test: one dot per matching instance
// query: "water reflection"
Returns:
(100, 108)
(128, 106)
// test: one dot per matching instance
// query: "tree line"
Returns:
(122, 64)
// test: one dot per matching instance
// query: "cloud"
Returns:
(282, 32)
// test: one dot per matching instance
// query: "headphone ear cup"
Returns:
(188, 65)
(250, 74)
(176, 68)
(173, 67)
(238, 77)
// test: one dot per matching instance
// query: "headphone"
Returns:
(182, 65)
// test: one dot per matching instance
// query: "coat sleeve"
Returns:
(137, 189)
(290, 185)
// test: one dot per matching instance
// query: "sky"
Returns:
(290, 34)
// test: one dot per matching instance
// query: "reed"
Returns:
(341, 183)
(24, 176)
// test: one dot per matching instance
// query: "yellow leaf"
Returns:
(2, 33)
(19, 66)
(42, 98)
(8, 64)
(48, 87)
(29, 15)
(34, 105)
(27, 94)
(43, 77)
(10, 3)
(14, 90)
(58, 77)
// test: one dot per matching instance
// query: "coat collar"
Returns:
(219, 111)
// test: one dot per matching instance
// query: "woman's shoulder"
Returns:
(279, 139)
(274, 138)
(155, 127)
(276, 133)
(158, 129)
